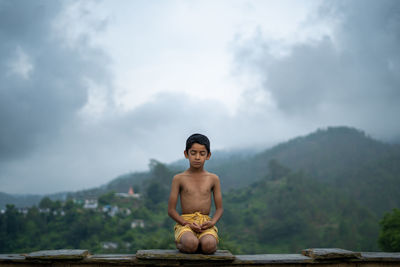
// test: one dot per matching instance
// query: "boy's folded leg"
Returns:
(188, 242)
(210, 231)
(208, 243)
(180, 230)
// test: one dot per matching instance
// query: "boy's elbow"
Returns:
(170, 212)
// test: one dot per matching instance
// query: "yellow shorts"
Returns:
(198, 218)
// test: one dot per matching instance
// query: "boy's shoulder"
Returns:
(179, 175)
(212, 175)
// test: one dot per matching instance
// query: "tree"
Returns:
(389, 237)
(46, 203)
(156, 193)
(107, 198)
(277, 170)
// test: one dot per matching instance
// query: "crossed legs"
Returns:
(189, 243)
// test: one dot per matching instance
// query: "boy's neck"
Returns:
(196, 170)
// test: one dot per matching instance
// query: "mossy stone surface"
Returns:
(61, 254)
(159, 254)
(330, 253)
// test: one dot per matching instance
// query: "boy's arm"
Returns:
(218, 206)
(173, 198)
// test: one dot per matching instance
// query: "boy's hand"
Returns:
(206, 225)
(195, 227)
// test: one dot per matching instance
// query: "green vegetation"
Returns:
(284, 212)
(342, 157)
(68, 225)
(389, 237)
(327, 189)
(291, 212)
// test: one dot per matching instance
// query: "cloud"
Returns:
(44, 82)
(351, 77)
(90, 153)
(60, 128)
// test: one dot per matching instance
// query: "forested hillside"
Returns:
(340, 156)
(327, 189)
(343, 157)
(282, 213)
(288, 211)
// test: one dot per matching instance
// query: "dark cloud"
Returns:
(44, 81)
(90, 154)
(351, 77)
(48, 143)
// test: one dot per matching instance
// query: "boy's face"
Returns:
(197, 155)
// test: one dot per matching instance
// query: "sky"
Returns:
(90, 90)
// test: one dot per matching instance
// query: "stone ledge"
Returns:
(272, 259)
(111, 258)
(12, 258)
(69, 258)
(330, 253)
(61, 254)
(381, 256)
(159, 254)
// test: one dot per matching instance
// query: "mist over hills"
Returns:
(343, 157)
(19, 200)
(326, 189)
(324, 154)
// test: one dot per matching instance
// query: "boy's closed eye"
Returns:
(202, 153)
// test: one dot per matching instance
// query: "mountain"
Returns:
(325, 154)
(326, 189)
(344, 157)
(282, 213)
(27, 200)
(288, 211)
(339, 156)
(18, 200)
(120, 184)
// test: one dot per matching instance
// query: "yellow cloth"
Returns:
(198, 218)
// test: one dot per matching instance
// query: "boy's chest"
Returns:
(196, 188)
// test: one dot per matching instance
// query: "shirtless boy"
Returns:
(194, 229)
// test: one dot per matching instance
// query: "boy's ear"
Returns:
(186, 154)
(208, 155)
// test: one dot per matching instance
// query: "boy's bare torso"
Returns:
(195, 191)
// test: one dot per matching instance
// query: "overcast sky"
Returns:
(90, 90)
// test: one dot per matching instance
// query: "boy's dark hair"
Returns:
(199, 139)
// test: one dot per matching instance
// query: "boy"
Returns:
(195, 230)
